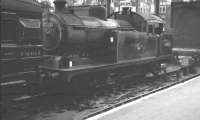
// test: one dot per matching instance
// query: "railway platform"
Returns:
(180, 102)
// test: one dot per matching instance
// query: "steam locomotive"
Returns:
(21, 46)
(86, 50)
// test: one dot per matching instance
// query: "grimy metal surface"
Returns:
(185, 21)
(140, 44)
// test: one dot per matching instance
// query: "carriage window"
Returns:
(159, 29)
(8, 27)
(150, 29)
(30, 30)
(30, 23)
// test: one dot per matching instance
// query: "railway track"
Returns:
(129, 97)
(88, 105)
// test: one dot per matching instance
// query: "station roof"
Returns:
(21, 5)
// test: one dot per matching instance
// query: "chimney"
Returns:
(157, 4)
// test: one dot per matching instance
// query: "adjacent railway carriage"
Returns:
(90, 49)
(21, 45)
(185, 23)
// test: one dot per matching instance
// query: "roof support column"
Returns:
(108, 7)
(157, 7)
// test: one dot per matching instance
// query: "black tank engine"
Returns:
(80, 46)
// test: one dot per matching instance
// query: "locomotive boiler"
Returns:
(88, 49)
